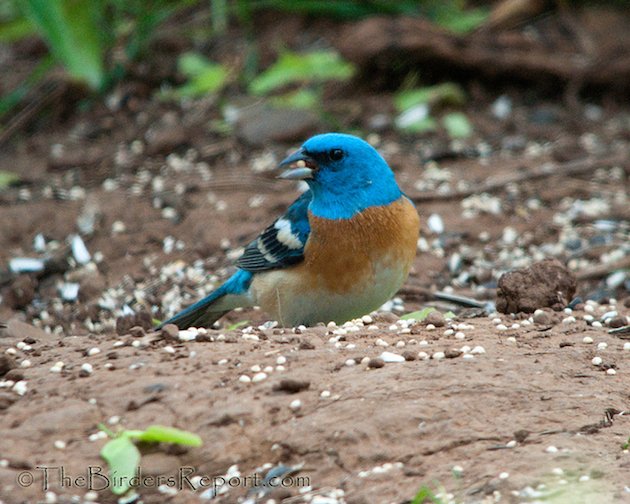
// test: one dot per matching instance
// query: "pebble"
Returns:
(597, 361)
(258, 377)
(376, 363)
(391, 357)
(436, 319)
(541, 317)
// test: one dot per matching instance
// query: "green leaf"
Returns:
(15, 30)
(162, 434)
(301, 99)
(294, 68)
(419, 315)
(73, 30)
(461, 21)
(7, 178)
(425, 494)
(449, 315)
(123, 459)
(457, 125)
(447, 93)
(204, 76)
(236, 325)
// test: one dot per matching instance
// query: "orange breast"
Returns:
(341, 254)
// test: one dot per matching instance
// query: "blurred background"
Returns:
(143, 136)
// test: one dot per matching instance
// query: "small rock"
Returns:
(542, 318)
(409, 356)
(617, 322)
(435, 318)
(170, 331)
(6, 364)
(452, 354)
(376, 363)
(291, 386)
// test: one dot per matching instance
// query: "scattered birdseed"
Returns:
(611, 371)
(25, 363)
(381, 342)
(626, 346)
(558, 471)
(295, 405)
(169, 349)
(597, 324)
(478, 350)
(20, 387)
(258, 377)
(350, 362)
(597, 361)
(468, 356)
(281, 360)
(551, 449)
(187, 335)
(584, 478)
(502, 327)
(87, 368)
(460, 335)
(438, 355)
(511, 339)
(244, 379)
(602, 345)
(568, 320)
(325, 394)
(57, 367)
(511, 444)
(587, 339)
(504, 475)
(95, 350)
(59, 444)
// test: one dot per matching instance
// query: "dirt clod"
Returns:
(376, 363)
(291, 386)
(6, 364)
(435, 318)
(170, 332)
(547, 283)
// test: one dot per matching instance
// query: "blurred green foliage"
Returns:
(204, 76)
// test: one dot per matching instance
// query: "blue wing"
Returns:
(282, 243)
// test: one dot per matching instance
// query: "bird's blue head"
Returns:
(345, 174)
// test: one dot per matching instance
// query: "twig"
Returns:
(548, 170)
(603, 269)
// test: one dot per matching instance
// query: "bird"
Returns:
(341, 250)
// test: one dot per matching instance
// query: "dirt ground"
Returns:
(485, 408)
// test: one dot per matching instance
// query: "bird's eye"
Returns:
(335, 154)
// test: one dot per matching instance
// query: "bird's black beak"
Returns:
(301, 165)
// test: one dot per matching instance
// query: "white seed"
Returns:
(448, 332)
(497, 320)
(258, 377)
(478, 350)
(350, 362)
(460, 335)
(430, 327)
(587, 339)
(400, 344)
(59, 444)
(602, 345)
(93, 351)
(86, 367)
(57, 367)
(280, 368)
(25, 363)
(597, 361)
(504, 475)
(391, 357)
(611, 371)
(502, 327)
(626, 346)
(295, 405)
(169, 349)
(281, 360)
(366, 319)
(222, 362)
(423, 355)
(551, 449)
(584, 478)
(589, 308)
(381, 342)
(325, 394)
(515, 326)
(511, 339)
(244, 379)
(597, 324)
(438, 355)
(268, 369)
(558, 471)
(568, 320)
(256, 368)
(457, 470)
(465, 349)
(511, 444)
(468, 356)
(588, 318)
(568, 311)
(20, 387)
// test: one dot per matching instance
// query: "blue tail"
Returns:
(232, 294)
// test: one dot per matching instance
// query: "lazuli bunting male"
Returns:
(341, 250)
